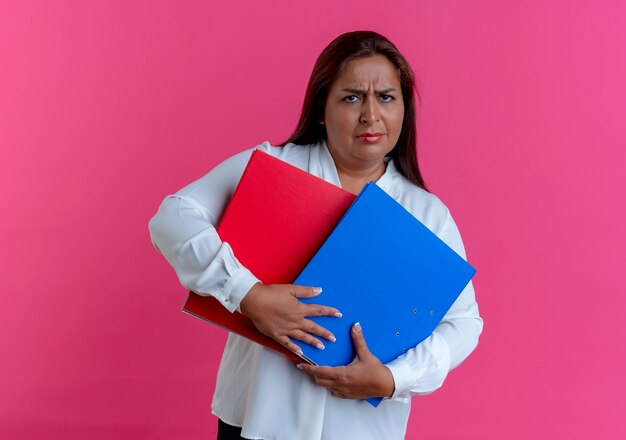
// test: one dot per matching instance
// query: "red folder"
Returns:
(277, 219)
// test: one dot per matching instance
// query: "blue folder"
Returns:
(383, 268)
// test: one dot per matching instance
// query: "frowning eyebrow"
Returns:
(363, 91)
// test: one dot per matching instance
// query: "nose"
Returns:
(370, 112)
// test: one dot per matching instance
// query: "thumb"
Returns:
(359, 342)
(306, 291)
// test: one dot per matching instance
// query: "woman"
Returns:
(357, 125)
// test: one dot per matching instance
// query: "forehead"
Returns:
(375, 71)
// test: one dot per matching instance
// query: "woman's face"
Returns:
(364, 112)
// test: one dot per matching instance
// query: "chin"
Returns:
(371, 152)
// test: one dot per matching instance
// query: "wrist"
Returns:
(249, 298)
(388, 385)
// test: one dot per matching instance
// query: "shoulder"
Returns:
(232, 168)
(296, 155)
(425, 206)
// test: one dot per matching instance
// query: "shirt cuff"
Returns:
(234, 290)
(403, 378)
(422, 369)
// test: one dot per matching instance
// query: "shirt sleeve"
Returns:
(423, 369)
(184, 231)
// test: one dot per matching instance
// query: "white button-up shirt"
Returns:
(262, 391)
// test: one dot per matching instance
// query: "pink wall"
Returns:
(107, 106)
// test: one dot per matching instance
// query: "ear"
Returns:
(321, 111)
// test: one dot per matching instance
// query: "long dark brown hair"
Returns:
(332, 60)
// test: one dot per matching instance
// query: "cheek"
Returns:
(340, 127)
(396, 121)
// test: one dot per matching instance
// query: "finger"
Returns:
(326, 383)
(286, 342)
(305, 291)
(316, 329)
(329, 383)
(308, 339)
(359, 341)
(322, 373)
(339, 394)
(319, 310)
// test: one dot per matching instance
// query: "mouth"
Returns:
(370, 137)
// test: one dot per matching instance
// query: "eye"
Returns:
(350, 98)
(386, 98)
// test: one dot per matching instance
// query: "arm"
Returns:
(184, 231)
(365, 377)
(423, 368)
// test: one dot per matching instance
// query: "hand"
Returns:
(365, 377)
(276, 312)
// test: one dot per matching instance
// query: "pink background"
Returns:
(107, 106)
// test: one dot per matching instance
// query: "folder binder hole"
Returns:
(397, 333)
(404, 349)
(432, 313)
(414, 310)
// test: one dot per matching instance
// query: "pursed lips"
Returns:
(371, 137)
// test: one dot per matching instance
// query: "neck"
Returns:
(354, 179)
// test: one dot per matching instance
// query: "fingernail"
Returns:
(320, 346)
(317, 290)
(300, 352)
(357, 327)
(299, 367)
(332, 338)
(338, 315)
